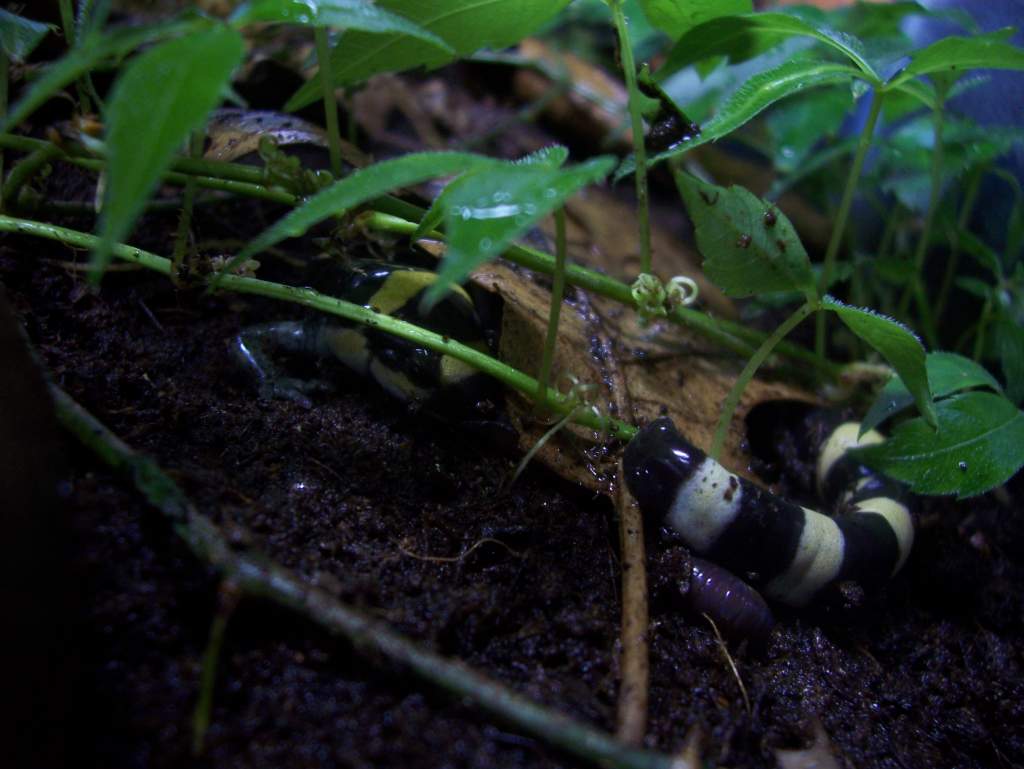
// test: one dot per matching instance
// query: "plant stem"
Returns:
(67, 20)
(323, 59)
(246, 180)
(839, 227)
(733, 398)
(557, 292)
(181, 237)
(228, 595)
(23, 172)
(634, 689)
(403, 218)
(637, 125)
(915, 287)
(307, 297)
(979, 339)
(257, 576)
(4, 74)
(966, 208)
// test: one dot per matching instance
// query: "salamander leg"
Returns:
(251, 348)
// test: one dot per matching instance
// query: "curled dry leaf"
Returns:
(594, 102)
(635, 377)
(594, 109)
(233, 134)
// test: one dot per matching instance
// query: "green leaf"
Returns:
(159, 99)
(1008, 336)
(975, 287)
(553, 156)
(978, 445)
(894, 342)
(905, 157)
(980, 251)
(19, 36)
(749, 246)
(362, 186)
(960, 54)
(740, 37)
(86, 56)
(895, 270)
(948, 373)
(489, 209)
(343, 14)
(759, 92)
(674, 18)
(801, 122)
(464, 25)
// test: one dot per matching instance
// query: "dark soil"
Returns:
(377, 504)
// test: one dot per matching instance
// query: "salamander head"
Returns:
(656, 462)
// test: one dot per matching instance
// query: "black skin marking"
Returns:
(764, 530)
(769, 218)
(707, 198)
(781, 244)
(359, 281)
(731, 491)
(743, 241)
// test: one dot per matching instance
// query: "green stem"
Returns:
(916, 286)
(4, 74)
(181, 238)
(307, 297)
(246, 180)
(637, 125)
(255, 575)
(966, 208)
(839, 227)
(67, 20)
(979, 339)
(732, 336)
(557, 292)
(194, 166)
(733, 398)
(229, 596)
(323, 58)
(23, 172)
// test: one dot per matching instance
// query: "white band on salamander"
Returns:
(705, 505)
(842, 438)
(898, 517)
(817, 561)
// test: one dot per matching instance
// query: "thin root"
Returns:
(732, 664)
(456, 558)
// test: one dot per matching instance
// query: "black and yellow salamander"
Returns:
(791, 553)
(403, 369)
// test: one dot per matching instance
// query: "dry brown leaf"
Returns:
(635, 378)
(236, 133)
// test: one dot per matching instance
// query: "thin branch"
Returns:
(255, 575)
(633, 690)
(307, 297)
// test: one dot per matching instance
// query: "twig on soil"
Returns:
(462, 556)
(633, 691)
(731, 662)
(228, 596)
(256, 576)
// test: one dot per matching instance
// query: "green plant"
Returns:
(751, 249)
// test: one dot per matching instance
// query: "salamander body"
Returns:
(405, 370)
(790, 552)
